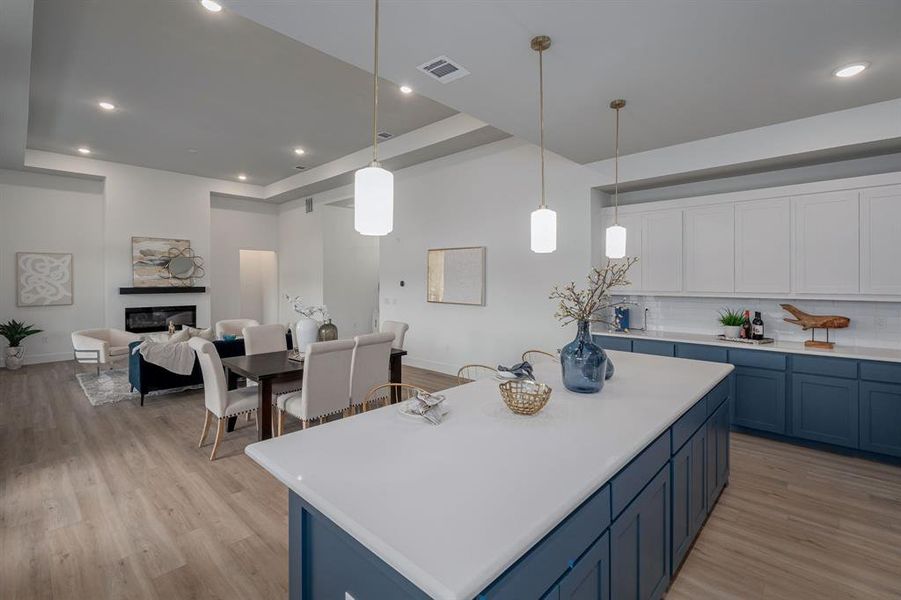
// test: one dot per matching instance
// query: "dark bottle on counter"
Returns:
(757, 327)
(745, 332)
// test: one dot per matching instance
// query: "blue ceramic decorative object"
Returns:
(584, 363)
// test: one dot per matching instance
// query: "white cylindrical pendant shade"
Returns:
(544, 230)
(373, 201)
(616, 241)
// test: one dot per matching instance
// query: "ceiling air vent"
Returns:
(300, 167)
(309, 204)
(384, 135)
(443, 69)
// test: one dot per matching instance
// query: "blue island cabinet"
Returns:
(689, 494)
(589, 578)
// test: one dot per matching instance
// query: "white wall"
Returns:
(300, 266)
(46, 213)
(483, 197)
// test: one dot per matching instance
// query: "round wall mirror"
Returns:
(181, 267)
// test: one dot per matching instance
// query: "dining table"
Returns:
(276, 367)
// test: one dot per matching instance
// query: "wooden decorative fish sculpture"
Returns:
(807, 321)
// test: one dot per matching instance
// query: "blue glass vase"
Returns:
(584, 363)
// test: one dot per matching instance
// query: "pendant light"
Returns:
(544, 220)
(616, 233)
(373, 185)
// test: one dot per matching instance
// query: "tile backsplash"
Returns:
(873, 324)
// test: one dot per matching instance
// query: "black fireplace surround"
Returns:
(144, 319)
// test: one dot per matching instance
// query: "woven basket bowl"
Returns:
(525, 397)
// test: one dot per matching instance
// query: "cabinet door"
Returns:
(826, 244)
(589, 578)
(824, 409)
(634, 225)
(640, 544)
(759, 401)
(880, 417)
(654, 347)
(662, 252)
(880, 245)
(689, 494)
(717, 460)
(763, 246)
(709, 249)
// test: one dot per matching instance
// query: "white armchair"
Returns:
(101, 346)
(233, 327)
(399, 329)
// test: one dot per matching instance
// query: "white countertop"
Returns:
(840, 350)
(452, 506)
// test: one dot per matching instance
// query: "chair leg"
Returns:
(206, 428)
(220, 429)
(256, 419)
(247, 417)
(304, 423)
(281, 422)
(98, 369)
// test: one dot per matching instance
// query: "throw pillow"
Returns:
(205, 334)
(182, 335)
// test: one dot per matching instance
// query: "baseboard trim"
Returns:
(431, 365)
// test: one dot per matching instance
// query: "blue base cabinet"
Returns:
(825, 409)
(717, 464)
(689, 494)
(639, 544)
(880, 417)
(759, 399)
(589, 578)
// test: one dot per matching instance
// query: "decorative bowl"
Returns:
(525, 397)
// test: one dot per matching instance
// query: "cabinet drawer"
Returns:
(880, 417)
(760, 359)
(718, 395)
(824, 409)
(634, 476)
(557, 552)
(609, 342)
(759, 401)
(881, 371)
(654, 347)
(699, 352)
(589, 578)
(689, 423)
(832, 367)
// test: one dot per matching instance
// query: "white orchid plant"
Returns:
(310, 311)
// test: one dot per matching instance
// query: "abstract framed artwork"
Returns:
(456, 275)
(44, 279)
(150, 260)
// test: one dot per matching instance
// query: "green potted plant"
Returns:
(731, 321)
(15, 332)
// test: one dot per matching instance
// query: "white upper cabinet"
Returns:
(709, 249)
(763, 246)
(827, 243)
(634, 225)
(880, 241)
(661, 253)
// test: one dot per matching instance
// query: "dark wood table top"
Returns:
(271, 365)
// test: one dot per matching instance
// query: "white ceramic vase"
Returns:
(732, 331)
(307, 332)
(14, 357)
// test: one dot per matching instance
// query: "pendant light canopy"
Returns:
(544, 220)
(373, 185)
(616, 233)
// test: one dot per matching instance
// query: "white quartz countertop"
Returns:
(452, 506)
(840, 350)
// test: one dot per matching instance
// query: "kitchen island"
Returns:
(491, 504)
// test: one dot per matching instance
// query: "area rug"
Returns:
(112, 386)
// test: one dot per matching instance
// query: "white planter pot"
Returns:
(306, 332)
(14, 357)
(732, 331)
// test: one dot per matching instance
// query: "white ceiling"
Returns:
(239, 93)
(690, 69)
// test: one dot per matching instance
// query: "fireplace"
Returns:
(143, 319)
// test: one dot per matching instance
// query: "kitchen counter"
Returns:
(840, 350)
(451, 507)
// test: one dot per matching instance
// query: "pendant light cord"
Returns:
(541, 121)
(615, 174)
(375, 90)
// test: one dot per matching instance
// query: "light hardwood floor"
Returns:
(118, 502)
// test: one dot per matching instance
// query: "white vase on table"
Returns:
(306, 332)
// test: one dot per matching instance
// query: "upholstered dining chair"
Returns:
(325, 389)
(101, 346)
(469, 373)
(233, 327)
(399, 330)
(369, 367)
(260, 339)
(221, 403)
(535, 355)
(400, 391)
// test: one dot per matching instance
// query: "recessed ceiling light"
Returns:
(211, 6)
(299, 151)
(192, 150)
(851, 70)
(84, 150)
(242, 177)
(106, 105)
(405, 89)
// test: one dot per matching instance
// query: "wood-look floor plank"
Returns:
(117, 502)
